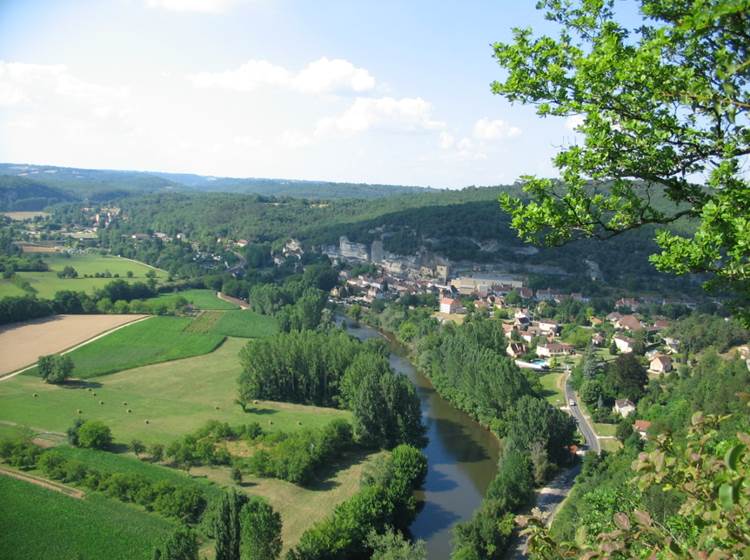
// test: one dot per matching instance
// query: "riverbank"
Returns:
(462, 456)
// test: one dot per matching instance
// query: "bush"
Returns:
(21, 453)
(94, 434)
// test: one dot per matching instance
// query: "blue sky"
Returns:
(382, 91)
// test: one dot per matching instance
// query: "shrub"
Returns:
(94, 434)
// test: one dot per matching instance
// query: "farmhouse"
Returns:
(548, 327)
(554, 349)
(449, 305)
(624, 407)
(624, 344)
(629, 323)
(597, 339)
(516, 349)
(660, 364)
(641, 427)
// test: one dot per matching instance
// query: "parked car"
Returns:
(571, 402)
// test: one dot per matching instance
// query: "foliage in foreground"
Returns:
(663, 110)
(712, 477)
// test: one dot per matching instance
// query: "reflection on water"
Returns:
(462, 459)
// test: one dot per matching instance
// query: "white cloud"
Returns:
(248, 77)
(387, 113)
(446, 140)
(485, 129)
(203, 6)
(22, 83)
(294, 139)
(468, 150)
(318, 77)
(574, 121)
(324, 75)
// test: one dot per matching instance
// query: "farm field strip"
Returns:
(159, 339)
(47, 524)
(175, 397)
(22, 344)
(43, 483)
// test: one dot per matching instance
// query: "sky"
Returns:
(384, 91)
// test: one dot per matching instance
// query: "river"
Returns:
(462, 458)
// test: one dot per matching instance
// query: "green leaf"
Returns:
(727, 496)
(732, 457)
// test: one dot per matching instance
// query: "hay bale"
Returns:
(255, 401)
(299, 422)
(130, 410)
(146, 421)
(101, 402)
(124, 404)
(93, 394)
(79, 411)
(270, 422)
(36, 395)
(216, 407)
(89, 389)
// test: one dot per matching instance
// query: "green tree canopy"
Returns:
(663, 112)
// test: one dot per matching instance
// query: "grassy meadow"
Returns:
(551, 383)
(40, 523)
(47, 284)
(158, 339)
(175, 398)
(242, 324)
(301, 507)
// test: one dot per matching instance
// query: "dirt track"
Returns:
(21, 344)
(48, 484)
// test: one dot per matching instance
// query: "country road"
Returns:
(551, 496)
(592, 442)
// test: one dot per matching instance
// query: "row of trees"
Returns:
(184, 502)
(468, 366)
(329, 368)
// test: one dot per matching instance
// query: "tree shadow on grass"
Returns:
(80, 384)
(325, 476)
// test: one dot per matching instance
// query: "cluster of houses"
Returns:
(424, 265)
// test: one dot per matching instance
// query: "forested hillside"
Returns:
(20, 194)
(106, 185)
(461, 225)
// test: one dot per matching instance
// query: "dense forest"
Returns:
(104, 185)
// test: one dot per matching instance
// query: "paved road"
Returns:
(592, 442)
(551, 496)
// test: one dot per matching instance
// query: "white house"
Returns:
(624, 344)
(624, 407)
(554, 349)
(660, 364)
(548, 327)
(449, 305)
(516, 349)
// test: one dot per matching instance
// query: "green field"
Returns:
(158, 339)
(200, 299)
(41, 524)
(245, 324)
(47, 283)
(242, 324)
(552, 392)
(175, 397)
